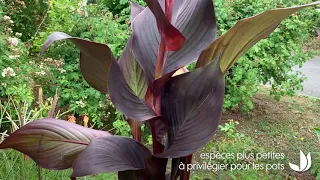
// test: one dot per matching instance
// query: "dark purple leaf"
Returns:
(130, 174)
(192, 102)
(111, 154)
(174, 40)
(95, 59)
(194, 19)
(135, 10)
(124, 98)
(51, 143)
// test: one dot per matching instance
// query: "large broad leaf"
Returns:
(173, 39)
(135, 10)
(95, 59)
(244, 34)
(110, 154)
(51, 143)
(194, 19)
(124, 98)
(102, 72)
(193, 104)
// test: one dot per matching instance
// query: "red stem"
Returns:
(184, 174)
(160, 59)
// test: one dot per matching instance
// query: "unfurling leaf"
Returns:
(194, 19)
(110, 154)
(192, 102)
(173, 39)
(95, 59)
(51, 143)
(244, 34)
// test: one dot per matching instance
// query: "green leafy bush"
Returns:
(272, 59)
(15, 71)
(93, 22)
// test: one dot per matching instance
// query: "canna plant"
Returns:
(149, 84)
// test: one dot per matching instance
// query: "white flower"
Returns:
(6, 18)
(13, 41)
(8, 72)
(41, 73)
(14, 56)
(4, 84)
(18, 34)
(62, 70)
(80, 103)
(10, 21)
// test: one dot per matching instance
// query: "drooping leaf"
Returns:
(192, 102)
(110, 154)
(95, 59)
(102, 72)
(135, 10)
(173, 39)
(51, 143)
(244, 34)
(194, 19)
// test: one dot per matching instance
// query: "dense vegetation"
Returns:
(26, 24)
(31, 85)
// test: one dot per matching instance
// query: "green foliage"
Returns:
(121, 126)
(15, 70)
(92, 22)
(315, 168)
(232, 142)
(14, 166)
(27, 15)
(271, 60)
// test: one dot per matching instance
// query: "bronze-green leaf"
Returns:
(244, 34)
(51, 143)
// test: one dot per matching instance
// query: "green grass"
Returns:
(13, 166)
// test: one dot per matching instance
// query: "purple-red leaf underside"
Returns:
(135, 10)
(194, 19)
(51, 143)
(124, 98)
(192, 102)
(110, 154)
(102, 72)
(174, 40)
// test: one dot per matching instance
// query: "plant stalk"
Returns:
(160, 59)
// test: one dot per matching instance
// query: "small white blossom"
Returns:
(8, 72)
(18, 34)
(10, 21)
(41, 73)
(14, 56)
(80, 103)
(62, 71)
(6, 18)
(13, 41)
(4, 84)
